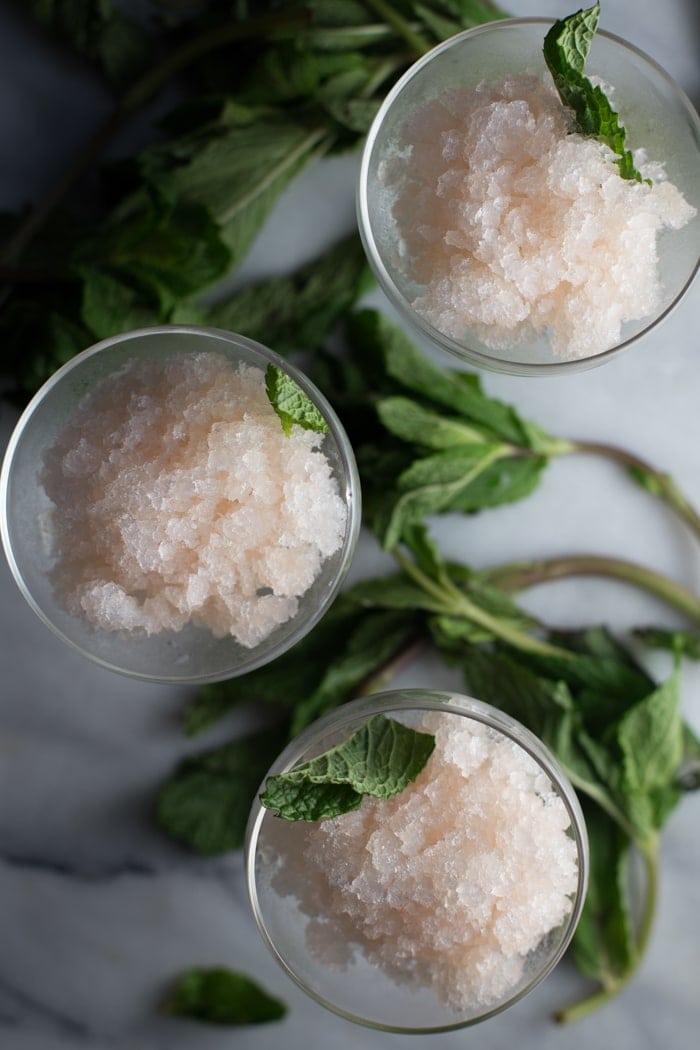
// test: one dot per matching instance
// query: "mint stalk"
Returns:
(566, 48)
(291, 404)
(380, 760)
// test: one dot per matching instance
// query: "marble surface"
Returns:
(98, 911)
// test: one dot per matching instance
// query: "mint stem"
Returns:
(141, 92)
(455, 603)
(517, 576)
(660, 484)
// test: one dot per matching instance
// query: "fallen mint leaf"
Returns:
(221, 996)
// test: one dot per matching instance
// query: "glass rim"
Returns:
(352, 497)
(445, 702)
(478, 358)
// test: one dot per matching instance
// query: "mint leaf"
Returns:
(462, 478)
(686, 643)
(372, 335)
(100, 32)
(295, 312)
(206, 802)
(372, 643)
(291, 404)
(236, 167)
(381, 759)
(352, 643)
(650, 737)
(222, 996)
(566, 48)
(110, 305)
(568, 43)
(409, 421)
(603, 945)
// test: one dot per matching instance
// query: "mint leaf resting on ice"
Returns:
(290, 402)
(566, 49)
(379, 760)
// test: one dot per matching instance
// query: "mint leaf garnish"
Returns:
(222, 996)
(291, 404)
(380, 759)
(566, 49)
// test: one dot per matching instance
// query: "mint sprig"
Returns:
(380, 760)
(291, 404)
(566, 48)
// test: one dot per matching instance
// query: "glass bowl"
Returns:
(400, 235)
(341, 914)
(35, 534)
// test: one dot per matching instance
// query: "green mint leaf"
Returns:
(352, 643)
(374, 641)
(568, 43)
(110, 305)
(100, 32)
(286, 682)
(686, 643)
(167, 250)
(549, 710)
(394, 592)
(466, 478)
(36, 341)
(380, 760)
(650, 737)
(236, 168)
(291, 404)
(566, 48)
(221, 996)
(296, 312)
(604, 944)
(372, 335)
(303, 800)
(498, 679)
(206, 802)
(409, 421)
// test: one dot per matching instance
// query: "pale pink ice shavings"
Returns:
(448, 885)
(517, 228)
(178, 499)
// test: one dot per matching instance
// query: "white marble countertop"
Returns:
(98, 911)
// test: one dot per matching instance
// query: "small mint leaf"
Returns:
(380, 759)
(221, 996)
(566, 48)
(291, 404)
